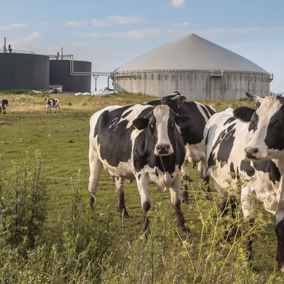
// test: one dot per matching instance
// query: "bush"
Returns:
(23, 202)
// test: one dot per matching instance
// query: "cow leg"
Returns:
(249, 221)
(186, 179)
(223, 205)
(203, 174)
(120, 185)
(176, 201)
(234, 229)
(143, 187)
(59, 109)
(95, 171)
(279, 229)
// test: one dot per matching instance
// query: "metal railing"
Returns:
(17, 51)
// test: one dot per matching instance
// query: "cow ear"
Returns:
(180, 101)
(243, 113)
(251, 96)
(183, 120)
(140, 123)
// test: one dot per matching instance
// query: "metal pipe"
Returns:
(4, 46)
(73, 73)
(61, 53)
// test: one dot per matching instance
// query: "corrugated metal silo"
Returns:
(195, 67)
(61, 74)
(23, 71)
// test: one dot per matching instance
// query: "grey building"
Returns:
(23, 71)
(195, 67)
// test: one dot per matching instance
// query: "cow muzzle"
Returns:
(251, 153)
(163, 149)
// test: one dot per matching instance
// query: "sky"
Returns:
(109, 33)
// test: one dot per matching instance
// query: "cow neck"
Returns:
(280, 164)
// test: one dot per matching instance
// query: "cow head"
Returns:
(162, 126)
(267, 124)
(175, 101)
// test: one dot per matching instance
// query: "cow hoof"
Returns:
(124, 215)
(188, 179)
(186, 231)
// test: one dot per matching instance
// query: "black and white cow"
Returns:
(193, 135)
(226, 137)
(3, 105)
(267, 144)
(50, 103)
(139, 142)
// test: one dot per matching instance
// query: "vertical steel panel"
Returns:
(23, 71)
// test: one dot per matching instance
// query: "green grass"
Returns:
(76, 245)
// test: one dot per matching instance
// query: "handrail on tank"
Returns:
(73, 73)
(18, 51)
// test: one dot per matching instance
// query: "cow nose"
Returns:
(251, 152)
(163, 149)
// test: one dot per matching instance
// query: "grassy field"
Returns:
(50, 235)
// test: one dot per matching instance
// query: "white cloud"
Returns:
(13, 26)
(178, 3)
(176, 33)
(140, 34)
(118, 20)
(79, 45)
(18, 25)
(76, 24)
(24, 43)
(240, 45)
(237, 31)
(126, 20)
(184, 24)
(99, 23)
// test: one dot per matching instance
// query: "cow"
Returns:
(226, 136)
(142, 143)
(3, 105)
(194, 144)
(267, 144)
(50, 103)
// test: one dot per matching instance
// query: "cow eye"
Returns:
(275, 124)
(172, 125)
(152, 126)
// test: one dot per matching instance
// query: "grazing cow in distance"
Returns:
(50, 103)
(267, 144)
(3, 105)
(139, 142)
(226, 137)
(193, 135)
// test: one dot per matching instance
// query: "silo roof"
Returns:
(191, 52)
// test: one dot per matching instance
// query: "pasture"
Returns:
(48, 233)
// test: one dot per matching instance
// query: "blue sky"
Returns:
(110, 33)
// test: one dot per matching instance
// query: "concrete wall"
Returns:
(60, 75)
(23, 71)
(195, 85)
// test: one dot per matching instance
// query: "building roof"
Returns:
(191, 52)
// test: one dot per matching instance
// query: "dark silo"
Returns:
(61, 74)
(23, 71)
